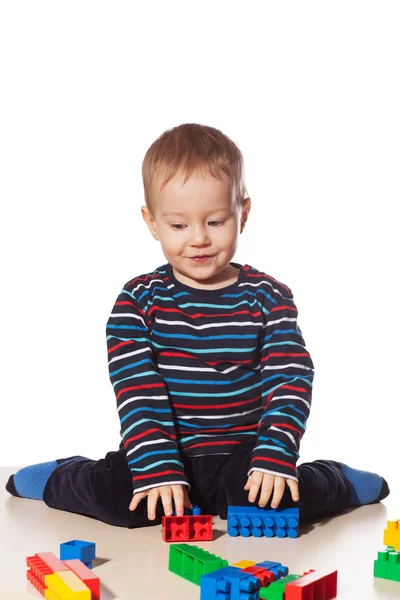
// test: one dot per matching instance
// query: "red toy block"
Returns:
(85, 575)
(314, 585)
(190, 528)
(35, 582)
(265, 576)
(41, 565)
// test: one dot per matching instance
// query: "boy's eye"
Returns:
(178, 226)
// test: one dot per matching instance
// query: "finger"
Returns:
(136, 499)
(186, 500)
(294, 489)
(152, 499)
(279, 488)
(266, 489)
(247, 486)
(256, 480)
(178, 499)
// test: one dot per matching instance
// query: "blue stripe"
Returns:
(145, 373)
(208, 381)
(156, 452)
(224, 435)
(135, 364)
(166, 423)
(221, 395)
(144, 409)
(270, 447)
(157, 464)
(250, 336)
(206, 351)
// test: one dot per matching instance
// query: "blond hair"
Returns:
(190, 148)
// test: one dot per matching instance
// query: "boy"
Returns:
(208, 364)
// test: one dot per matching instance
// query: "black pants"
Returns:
(103, 489)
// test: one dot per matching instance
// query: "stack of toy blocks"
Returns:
(192, 527)
(387, 564)
(68, 579)
(252, 520)
(247, 580)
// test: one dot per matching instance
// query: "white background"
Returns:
(309, 91)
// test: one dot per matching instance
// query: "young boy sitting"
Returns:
(211, 374)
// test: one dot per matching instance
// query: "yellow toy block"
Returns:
(391, 535)
(243, 564)
(67, 586)
(49, 595)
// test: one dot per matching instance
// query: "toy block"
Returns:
(36, 582)
(194, 511)
(185, 529)
(277, 569)
(256, 521)
(41, 565)
(229, 583)
(242, 564)
(67, 586)
(83, 551)
(387, 565)
(49, 595)
(191, 562)
(266, 577)
(276, 591)
(320, 585)
(391, 535)
(85, 575)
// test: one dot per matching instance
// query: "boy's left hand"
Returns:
(269, 483)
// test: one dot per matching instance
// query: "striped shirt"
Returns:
(199, 371)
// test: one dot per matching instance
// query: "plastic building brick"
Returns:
(185, 529)
(85, 575)
(387, 565)
(266, 577)
(83, 551)
(191, 562)
(41, 565)
(256, 521)
(243, 564)
(276, 591)
(391, 535)
(273, 567)
(321, 585)
(229, 583)
(65, 584)
(194, 511)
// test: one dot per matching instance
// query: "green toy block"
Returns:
(191, 562)
(275, 591)
(387, 566)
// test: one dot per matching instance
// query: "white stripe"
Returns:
(208, 326)
(286, 366)
(130, 354)
(264, 281)
(292, 397)
(147, 487)
(132, 315)
(229, 416)
(285, 475)
(280, 320)
(134, 398)
(290, 436)
(147, 444)
(202, 369)
(148, 286)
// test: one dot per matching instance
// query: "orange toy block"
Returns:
(391, 535)
(85, 575)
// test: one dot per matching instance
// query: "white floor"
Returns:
(133, 563)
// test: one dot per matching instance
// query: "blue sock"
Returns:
(366, 487)
(30, 481)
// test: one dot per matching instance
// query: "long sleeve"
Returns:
(147, 424)
(287, 373)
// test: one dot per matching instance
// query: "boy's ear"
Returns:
(149, 220)
(245, 213)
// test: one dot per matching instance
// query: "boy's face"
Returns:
(197, 219)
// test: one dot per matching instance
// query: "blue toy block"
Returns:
(277, 569)
(195, 511)
(88, 564)
(83, 551)
(256, 521)
(229, 583)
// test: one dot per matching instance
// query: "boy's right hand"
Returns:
(166, 492)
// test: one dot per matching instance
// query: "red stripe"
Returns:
(284, 354)
(274, 460)
(214, 444)
(140, 387)
(119, 346)
(212, 406)
(283, 307)
(144, 433)
(285, 426)
(158, 475)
